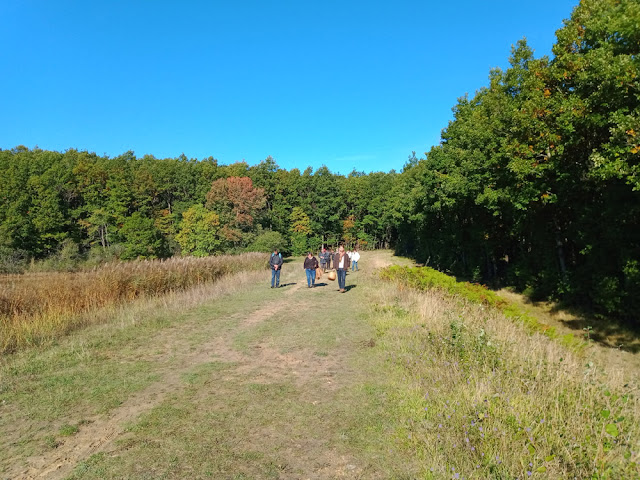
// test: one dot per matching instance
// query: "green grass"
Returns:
(377, 383)
(67, 430)
(314, 400)
(236, 417)
(485, 398)
(426, 278)
(96, 370)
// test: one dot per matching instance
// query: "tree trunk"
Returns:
(560, 252)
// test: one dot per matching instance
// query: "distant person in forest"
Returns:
(325, 258)
(330, 258)
(355, 256)
(276, 265)
(341, 263)
(310, 265)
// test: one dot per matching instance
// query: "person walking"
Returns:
(310, 265)
(355, 256)
(276, 265)
(324, 257)
(341, 264)
(329, 258)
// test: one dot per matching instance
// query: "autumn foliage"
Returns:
(237, 202)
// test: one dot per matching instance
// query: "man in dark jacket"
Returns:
(324, 259)
(276, 264)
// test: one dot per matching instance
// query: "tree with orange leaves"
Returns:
(237, 203)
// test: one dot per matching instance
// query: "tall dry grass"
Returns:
(485, 397)
(38, 307)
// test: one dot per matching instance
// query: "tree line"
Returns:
(535, 183)
(536, 180)
(155, 208)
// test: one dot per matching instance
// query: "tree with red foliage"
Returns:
(237, 202)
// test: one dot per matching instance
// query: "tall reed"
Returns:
(37, 307)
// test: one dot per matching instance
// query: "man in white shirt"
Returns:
(355, 256)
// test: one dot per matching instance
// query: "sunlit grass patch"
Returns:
(425, 278)
(483, 397)
(67, 430)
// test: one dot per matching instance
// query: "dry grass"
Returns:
(486, 398)
(39, 307)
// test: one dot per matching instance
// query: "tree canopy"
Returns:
(535, 184)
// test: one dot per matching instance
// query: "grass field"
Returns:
(37, 308)
(236, 380)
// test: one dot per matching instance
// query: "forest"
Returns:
(535, 184)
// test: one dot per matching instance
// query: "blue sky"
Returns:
(346, 84)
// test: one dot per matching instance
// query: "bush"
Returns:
(425, 278)
(99, 255)
(299, 244)
(314, 244)
(199, 233)
(606, 294)
(66, 259)
(13, 260)
(267, 242)
(142, 239)
(365, 241)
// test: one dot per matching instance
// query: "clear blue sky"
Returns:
(347, 84)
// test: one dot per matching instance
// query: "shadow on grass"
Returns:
(611, 333)
(606, 331)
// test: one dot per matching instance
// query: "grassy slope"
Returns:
(250, 382)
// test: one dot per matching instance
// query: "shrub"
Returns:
(99, 255)
(299, 244)
(200, 232)
(425, 278)
(266, 242)
(66, 259)
(13, 260)
(142, 238)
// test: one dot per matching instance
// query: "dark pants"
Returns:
(275, 277)
(342, 278)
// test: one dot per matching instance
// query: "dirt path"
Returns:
(254, 352)
(255, 383)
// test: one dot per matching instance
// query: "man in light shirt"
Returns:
(355, 256)
(341, 263)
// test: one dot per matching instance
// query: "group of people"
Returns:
(341, 261)
(326, 257)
